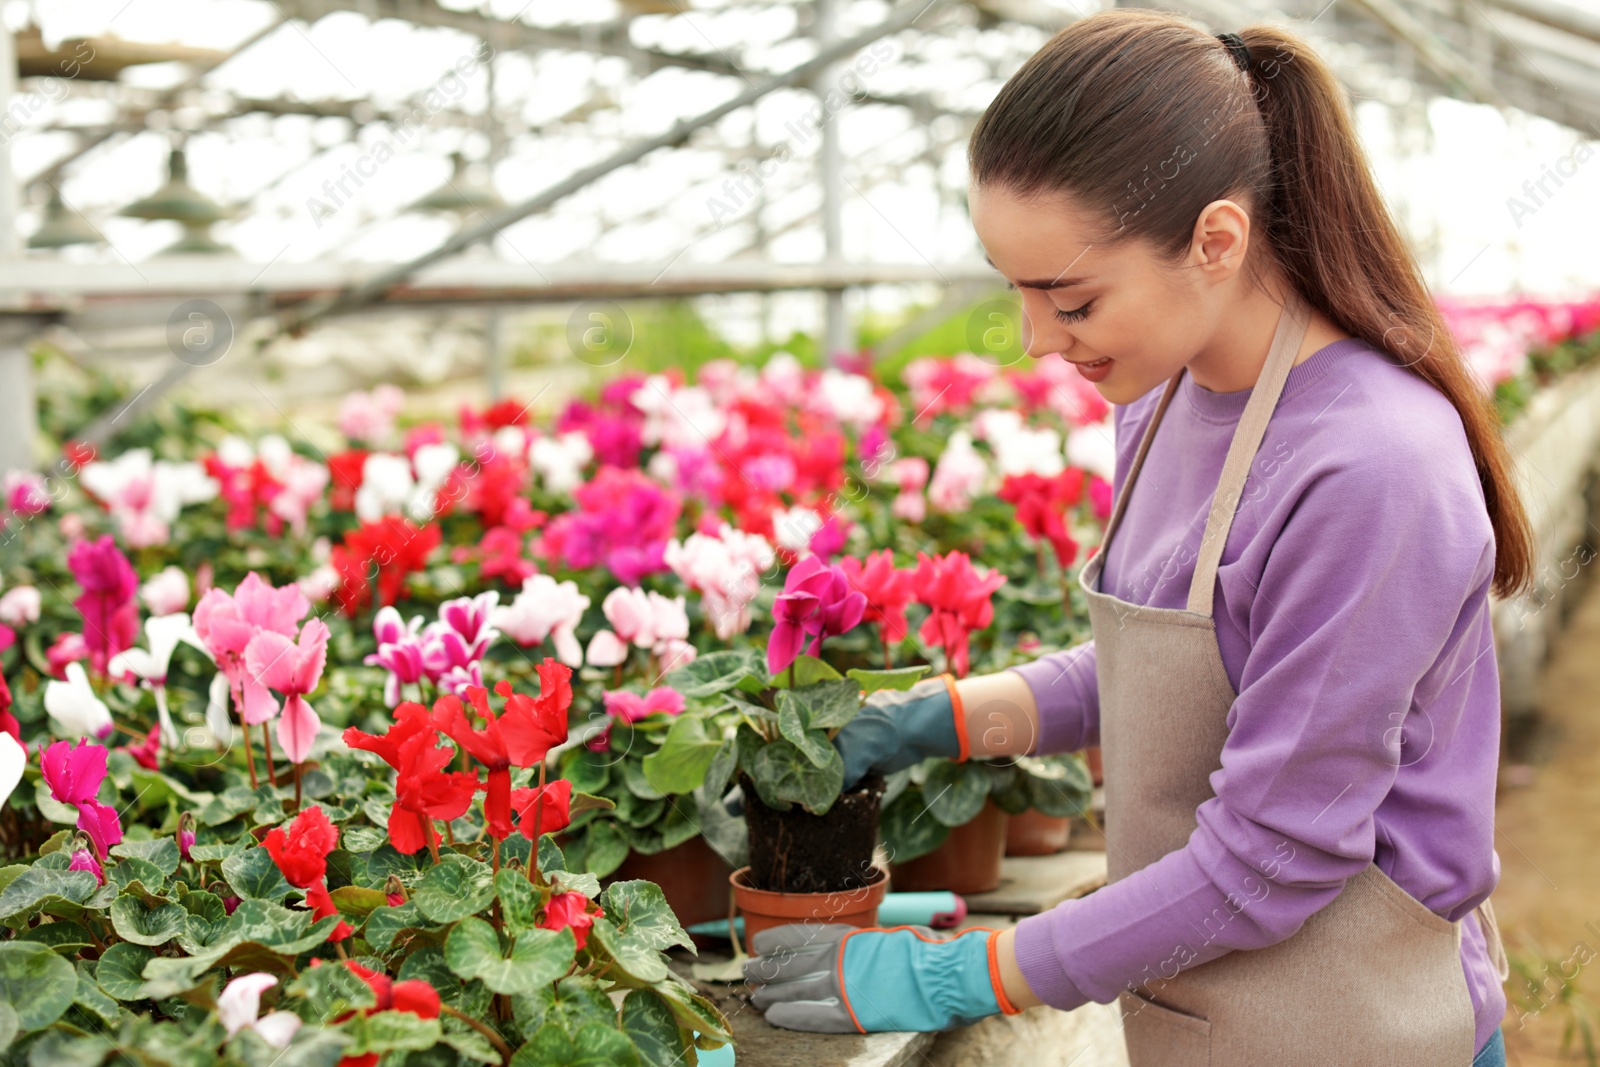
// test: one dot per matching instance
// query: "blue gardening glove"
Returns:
(839, 979)
(898, 728)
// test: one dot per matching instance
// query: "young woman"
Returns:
(1292, 674)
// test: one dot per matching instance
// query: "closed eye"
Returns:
(1076, 314)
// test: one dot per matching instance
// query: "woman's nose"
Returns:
(1042, 335)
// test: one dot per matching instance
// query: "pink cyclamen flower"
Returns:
(110, 616)
(400, 652)
(83, 860)
(73, 771)
(293, 669)
(631, 707)
(226, 625)
(26, 492)
(67, 648)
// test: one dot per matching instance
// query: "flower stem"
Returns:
(266, 738)
(249, 756)
(297, 787)
(494, 1038)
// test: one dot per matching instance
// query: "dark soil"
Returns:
(798, 852)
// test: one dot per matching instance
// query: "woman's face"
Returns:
(1125, 319)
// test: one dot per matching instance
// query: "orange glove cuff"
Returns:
(960, 712)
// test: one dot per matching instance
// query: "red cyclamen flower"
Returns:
(413, 995)
(571, 911)
(552, 803)
(959, 597)
(423, 790)
(888, 590)
(520, 737)
(302, 855)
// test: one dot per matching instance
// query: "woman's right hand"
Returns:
(897, 728)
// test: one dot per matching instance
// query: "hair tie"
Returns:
(1238, 49)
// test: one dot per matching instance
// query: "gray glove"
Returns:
(898, 728)
(837, 979)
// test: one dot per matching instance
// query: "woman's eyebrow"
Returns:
(1058, 283)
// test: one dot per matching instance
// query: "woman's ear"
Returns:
(1221, 237)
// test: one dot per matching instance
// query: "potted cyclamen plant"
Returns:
(770, 726)
(947, 824)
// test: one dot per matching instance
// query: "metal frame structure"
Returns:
(1541, 57)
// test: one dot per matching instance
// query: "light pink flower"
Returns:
(293, 669)
(545, 609)
(370, 416)
(20, 606)
(167, 593)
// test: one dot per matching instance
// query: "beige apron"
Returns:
(1374, 977)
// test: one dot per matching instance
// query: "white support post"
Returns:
(835, 332)
(17, 416)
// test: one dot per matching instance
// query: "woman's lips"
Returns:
(1095, 370)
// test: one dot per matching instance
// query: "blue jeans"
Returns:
(1493, 1052)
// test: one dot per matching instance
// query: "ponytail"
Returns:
(1139, 111)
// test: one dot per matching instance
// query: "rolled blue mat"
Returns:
(717, 1057)
(940, 910)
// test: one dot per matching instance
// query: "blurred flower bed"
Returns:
(289, 722)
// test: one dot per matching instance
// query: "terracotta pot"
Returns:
(1091, 756)
(691, 875)
(968, 861)
(761, 909)
(1033, 833)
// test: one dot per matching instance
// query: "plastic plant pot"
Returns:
(762, 910)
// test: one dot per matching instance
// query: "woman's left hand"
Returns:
(838, 979)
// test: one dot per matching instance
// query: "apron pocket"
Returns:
(1158, 1036)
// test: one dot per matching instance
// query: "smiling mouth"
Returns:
(1090, 363)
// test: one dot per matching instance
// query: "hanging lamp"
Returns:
(180, 202)
(62, 227)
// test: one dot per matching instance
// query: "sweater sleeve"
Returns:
(1067, 694)
(1375, 575)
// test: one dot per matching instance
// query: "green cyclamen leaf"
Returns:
(473, 950)
(252, 874)
(121, 970)
(38, 984)
(679, 765)
(454, 888)
(955, 792)
(143, 924)
(38, 886)
(162, 851)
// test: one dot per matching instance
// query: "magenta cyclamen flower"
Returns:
(73, 771)
(102, 824)
(817, 602)
(400, 652)
(110, 615)
(293, 669)
(83, 860)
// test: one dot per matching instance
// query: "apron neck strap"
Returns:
(1291, 330)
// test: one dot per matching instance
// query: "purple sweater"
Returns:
(1352, 595)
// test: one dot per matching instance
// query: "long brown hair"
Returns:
(1142, 113)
